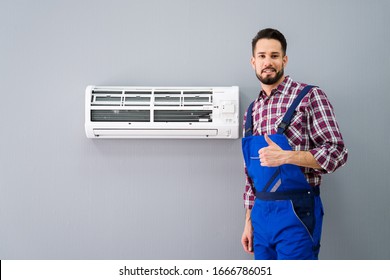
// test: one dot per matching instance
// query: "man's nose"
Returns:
(267, 62)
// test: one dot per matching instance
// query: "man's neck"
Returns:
(268, 88)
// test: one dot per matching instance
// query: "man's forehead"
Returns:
(268, 45)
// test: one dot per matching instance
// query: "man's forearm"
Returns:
(302, 158)
(273, 156)
(247, 235)
(248, 215)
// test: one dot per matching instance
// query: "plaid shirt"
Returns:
(313, 128)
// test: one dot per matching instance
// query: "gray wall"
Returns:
(63, 196)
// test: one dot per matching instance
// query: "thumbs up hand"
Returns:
(273, 155)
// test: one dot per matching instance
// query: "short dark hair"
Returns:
(270, 33)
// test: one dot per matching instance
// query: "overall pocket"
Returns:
(304, 210)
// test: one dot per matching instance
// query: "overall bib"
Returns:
(287, 214)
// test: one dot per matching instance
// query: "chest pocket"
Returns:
(295, 131)
(269, 125)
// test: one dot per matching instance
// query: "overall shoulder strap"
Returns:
(288, 116)
(249, 121)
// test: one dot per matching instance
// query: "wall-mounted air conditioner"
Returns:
(162, 112)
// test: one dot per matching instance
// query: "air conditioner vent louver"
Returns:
(182, 116)
(167, 99)
(162, 112)
(120, 115)
(137, 98)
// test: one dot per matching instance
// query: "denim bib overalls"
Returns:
(287, 213)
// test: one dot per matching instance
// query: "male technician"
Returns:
(291, 138)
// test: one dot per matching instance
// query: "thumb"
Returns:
(269, 141)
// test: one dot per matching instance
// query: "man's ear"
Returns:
(285, 60)
(253, 63)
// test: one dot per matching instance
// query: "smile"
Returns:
(268, 70)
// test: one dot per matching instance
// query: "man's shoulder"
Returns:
(295, 87)
(291, 87)
(312, 99)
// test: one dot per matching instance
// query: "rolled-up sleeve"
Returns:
(249, 193)
(330, 151)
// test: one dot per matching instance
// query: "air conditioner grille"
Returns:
(168, 100)
(120, 115)
(182, 115)
(137, 101)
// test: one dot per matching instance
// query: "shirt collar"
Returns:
(282, 88)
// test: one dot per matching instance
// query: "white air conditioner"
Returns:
(162, 112)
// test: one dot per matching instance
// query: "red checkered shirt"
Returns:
(313, 128)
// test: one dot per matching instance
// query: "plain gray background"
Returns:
(63, 196)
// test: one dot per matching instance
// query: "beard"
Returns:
(271, 80)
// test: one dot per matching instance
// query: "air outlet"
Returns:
(120, 116)
(182, 116)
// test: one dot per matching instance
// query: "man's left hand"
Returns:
(273, 155)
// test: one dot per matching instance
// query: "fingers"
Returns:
(247, 244)
(269, 141)
(270, 155)
(250, 247)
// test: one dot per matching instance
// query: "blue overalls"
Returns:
(287, 213)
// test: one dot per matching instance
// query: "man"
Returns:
(286, 152)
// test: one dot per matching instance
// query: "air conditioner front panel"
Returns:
(162, 112)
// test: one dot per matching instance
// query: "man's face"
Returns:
(268, 61)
